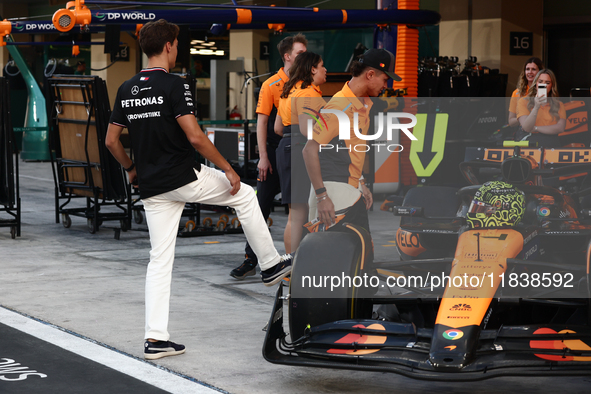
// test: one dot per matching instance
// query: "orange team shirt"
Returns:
(309, 98)
(344, 162)
(514, 99)
(544, 118)
(270, 92)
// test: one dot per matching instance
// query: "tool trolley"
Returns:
(10, 201)
(83, 168)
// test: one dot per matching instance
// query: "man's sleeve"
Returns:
(181, 98)
(118, 116)
(326, 128)
(265, 103)
(310, 104)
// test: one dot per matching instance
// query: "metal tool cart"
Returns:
(82, 166)
(10, 201)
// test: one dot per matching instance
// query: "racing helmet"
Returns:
(496, 204)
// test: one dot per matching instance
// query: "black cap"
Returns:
(382, 60)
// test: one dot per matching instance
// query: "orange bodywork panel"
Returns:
(480, 260)
(571, 344)
(361, 340)
(409, 242)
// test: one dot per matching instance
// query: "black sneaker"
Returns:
(154, 350)
(274, 274)
(248, 268)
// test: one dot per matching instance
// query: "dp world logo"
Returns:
(383, 122)
(100, 16)
(19, 26)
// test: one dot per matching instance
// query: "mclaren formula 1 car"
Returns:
(493, 279)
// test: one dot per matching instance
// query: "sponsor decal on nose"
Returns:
(453, 334)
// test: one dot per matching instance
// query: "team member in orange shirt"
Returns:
(542, 117)
(268, 180)
(299, 94)
(336, 173)
(530, 69)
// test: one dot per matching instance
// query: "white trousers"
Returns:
(163, 214)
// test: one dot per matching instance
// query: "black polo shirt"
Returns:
(148, 105)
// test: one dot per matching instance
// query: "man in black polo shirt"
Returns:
(157, 109)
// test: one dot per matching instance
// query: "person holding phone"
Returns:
(530, 69)
(541, 114)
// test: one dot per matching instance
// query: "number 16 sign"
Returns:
(521, 43)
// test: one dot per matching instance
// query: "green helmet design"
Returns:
(496, 204)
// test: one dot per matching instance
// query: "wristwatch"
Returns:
(320, 190)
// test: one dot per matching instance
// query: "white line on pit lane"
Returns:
(117, 361)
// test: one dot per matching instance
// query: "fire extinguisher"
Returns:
(235, 115)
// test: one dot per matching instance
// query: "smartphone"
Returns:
(542, 91)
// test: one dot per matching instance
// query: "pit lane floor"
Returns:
(87, 289)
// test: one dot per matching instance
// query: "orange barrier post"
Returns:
(407, 67)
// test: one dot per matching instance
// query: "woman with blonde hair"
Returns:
(542, 117)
